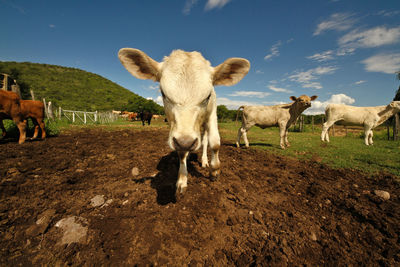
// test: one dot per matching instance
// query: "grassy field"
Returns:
(341, 152)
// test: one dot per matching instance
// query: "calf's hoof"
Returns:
(214, 174)
(180, 189)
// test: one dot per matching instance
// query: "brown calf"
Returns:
(10, 108)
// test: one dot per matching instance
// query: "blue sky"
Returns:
(341, 50)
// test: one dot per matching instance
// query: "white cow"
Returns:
(187, 82)
(267, 116)
(369, 117)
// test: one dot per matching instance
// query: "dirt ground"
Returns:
(263, 210)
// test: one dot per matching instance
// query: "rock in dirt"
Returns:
(135, 171)
(97, 201)
(42, 223)
(73, 229)
(382, 194)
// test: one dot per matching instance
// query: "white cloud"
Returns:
(359, 82)
(307, 78)
(159, 100)
(259, 72)
(250, 94)
(337, 22)
(374, 37)
(216, 3)
(279, 90)
(234, 104)
(318, 107)
(52, 25)
(322, 57)
(386, 63)
(188, 6)
(153, 87)
(274, 51)
(387, 13)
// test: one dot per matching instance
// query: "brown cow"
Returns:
(10, 108)
(34, 109)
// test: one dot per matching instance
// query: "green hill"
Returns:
(73, 88)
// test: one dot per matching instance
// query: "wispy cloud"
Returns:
(216, 4)
(250, 94)
(188, 6)
(52, 26)
(337, 22)
(389, 13)
(386, 63)
(153, 87)
(323, 56)
(318, 107)
(359, 82)
(274, 51)
(159, 100)
(17, 7)
(374, 37)
(279, 90)
(308, 78)
(259, 72)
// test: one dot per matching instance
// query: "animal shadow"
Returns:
(165, 180)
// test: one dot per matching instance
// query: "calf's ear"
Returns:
(293, 98)
(139, 64)
(231, 71)
(314, 97)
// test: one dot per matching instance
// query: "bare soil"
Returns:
(264, 209)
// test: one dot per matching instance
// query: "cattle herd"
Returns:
(187, 83)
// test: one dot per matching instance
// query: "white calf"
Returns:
(279, 115)
(187, 82)
(369, 117)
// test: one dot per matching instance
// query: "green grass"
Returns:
(341, 152)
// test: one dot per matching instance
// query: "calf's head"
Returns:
(395, 105)
(303, 101)
(187, 82)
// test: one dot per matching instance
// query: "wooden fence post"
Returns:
(59, 113)
(396, 125)
(73, 116)
(84, 117)
(95, 116)
(32, 95)
(312, 123)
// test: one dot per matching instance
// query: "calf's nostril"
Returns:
(185, 143)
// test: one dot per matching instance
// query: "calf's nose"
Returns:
(185, 143)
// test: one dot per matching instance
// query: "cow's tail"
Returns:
(237, 114)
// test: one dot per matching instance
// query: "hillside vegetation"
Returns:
(74, 89)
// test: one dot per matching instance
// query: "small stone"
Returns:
(250, 212)
(313, 236)
(108, 202)
(135, 171)
(97, 201)
(111, 156)
(79, 170)
(73, 229)
(126, 194)
(125, 202)
(382, 194)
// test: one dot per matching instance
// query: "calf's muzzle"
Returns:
(185, 143)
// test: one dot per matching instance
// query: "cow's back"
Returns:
(32, 108)
(265, 116)
(351, 115)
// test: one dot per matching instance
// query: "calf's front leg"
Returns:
(215, 143)
(181, 184)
